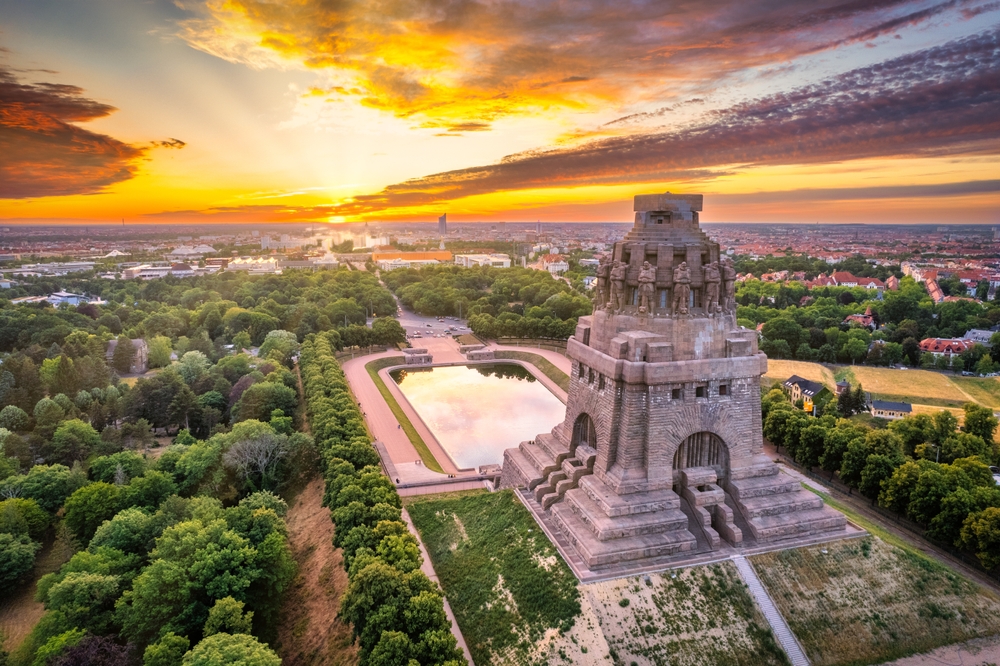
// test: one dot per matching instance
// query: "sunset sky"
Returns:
(345, 110)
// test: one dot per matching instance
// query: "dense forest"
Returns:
(166, 486)
(499, 302)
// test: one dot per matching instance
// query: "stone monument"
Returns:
(660, 456)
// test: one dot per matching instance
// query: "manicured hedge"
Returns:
(396, 611)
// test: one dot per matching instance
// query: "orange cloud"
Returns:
(943, 101)
(451, 62)
(44, 153)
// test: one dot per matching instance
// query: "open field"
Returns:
(985, 390)
(779, 370)
(551, 371)
(430, 462)
(865, 602)
(500, 571)
(918, 387)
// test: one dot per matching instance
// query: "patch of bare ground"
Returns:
(310, 633)
(703, 615)
(866, 601)
(19, 612)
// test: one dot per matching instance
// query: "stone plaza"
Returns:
(660, 456)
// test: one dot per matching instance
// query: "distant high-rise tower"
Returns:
(538, 227)
(443, 225)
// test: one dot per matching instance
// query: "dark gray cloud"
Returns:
(45, 153)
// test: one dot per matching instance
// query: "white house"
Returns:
(470, 260)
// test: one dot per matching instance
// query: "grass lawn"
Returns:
(779, 370)
(917, 387)
(430, 462)
(986, 390)
(866, 601)
(547, 367)
(504, 580)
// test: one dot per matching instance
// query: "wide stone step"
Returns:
(785, 525)
(761, 466)
(606, 527)
(613, 504)
(773, 505)
(522, 468)
(552, 446)
(604, 553)
(541, 460)
(762, 486)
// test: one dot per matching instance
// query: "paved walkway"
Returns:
(774, 618)
(428, 568)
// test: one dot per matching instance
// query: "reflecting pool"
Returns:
(476, 412)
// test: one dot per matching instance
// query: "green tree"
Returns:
(914, 431)
(168, 651)
(259, 400)
(14, 418)
(106, 468)
(48, 414)
(231, 650)
(981, 535)
(159, 353)
(192, 365)
(90, 506)
(49, 485)
(978, 421)
(74, 440)
(19, 515)
(855, 350)
(85, 600)
(956, 507)
(123, 357)
(812, 444)
(945, 425)
(227, 616)
(280, 346)
(130, 531)
(148, 491)
(193, 564)
(17, 557)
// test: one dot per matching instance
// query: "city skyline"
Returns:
(257, 112)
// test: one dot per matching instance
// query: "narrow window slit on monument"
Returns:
(675, 394)
(723, 389)
(699, 392)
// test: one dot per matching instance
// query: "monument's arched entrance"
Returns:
(584, 432)
(703, 449)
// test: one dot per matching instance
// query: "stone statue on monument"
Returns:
(729, 285)
(617, 286)
(647, 276)
(712, 279)
(682, 289)
(601, 293)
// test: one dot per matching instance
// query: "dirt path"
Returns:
(310, 633)
(20, 613)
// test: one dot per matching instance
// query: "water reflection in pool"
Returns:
(478, 411)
